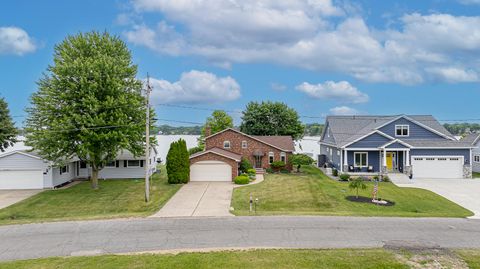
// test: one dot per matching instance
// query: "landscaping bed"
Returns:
(313, 193)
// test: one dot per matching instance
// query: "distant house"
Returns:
(418, 146)
(224, 151)
(23, 169)
(474, 140)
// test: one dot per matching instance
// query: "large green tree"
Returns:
(218, 121)
(8, 132)
(271, 118)
(89, 103)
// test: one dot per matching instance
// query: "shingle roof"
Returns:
(442, 143)
(471, 138)
(219, 151)
(346, 129)
(283, 142)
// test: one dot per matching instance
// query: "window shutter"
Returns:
(125, 163)
(141, 163)
(117, 163)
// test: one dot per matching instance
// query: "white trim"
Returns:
(367, 149)
(249, 136)
(367, 135)
(19, 152)
(475, 156)
(401, 127)
(213, 152)
(271, 154)
(442, 148)
(139, 163)
(327, 144)
(114, 165)
(355, 159)
(283, 155)
(244, 144)
(395, 141)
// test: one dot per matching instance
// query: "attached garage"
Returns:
(21, 179)
(437, 166)
(210, 171)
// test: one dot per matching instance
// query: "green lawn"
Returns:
(476, 175)
(114, 198)
(313, 193)
(265, 259)
(471, 257)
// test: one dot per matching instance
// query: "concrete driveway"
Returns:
(10, 197)
(208, 199)
(465, 192)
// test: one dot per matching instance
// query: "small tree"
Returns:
(218, 121)
(300, 159)
(178, 164)
(245, 165)
(8, 132)
(357, 184)
(194, 150)
(277, 165)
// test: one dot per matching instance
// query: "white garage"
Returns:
(437, 167)
(21, 179)
(210, 171)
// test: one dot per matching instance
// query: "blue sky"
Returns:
(320, 57)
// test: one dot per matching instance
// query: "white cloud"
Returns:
(14, 40)
(341, 91)
(195, 87)
(344, 110)
(453, 75)
(303, 34)
(470, 2)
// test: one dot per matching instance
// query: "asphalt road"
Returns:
(150, 234)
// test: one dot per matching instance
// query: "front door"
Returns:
(391, 161)
(258, 162)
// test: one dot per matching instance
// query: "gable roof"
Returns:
(346, 129)
(471, 138)
(281, 142)
(31, 154)
(220, 152)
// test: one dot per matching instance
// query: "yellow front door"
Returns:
(389, 161)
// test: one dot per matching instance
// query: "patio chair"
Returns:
(370, 169)
(350, 168)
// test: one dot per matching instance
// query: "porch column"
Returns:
(407, 158)
(345, 161)
(384, 166)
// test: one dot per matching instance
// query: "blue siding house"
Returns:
(415, 145)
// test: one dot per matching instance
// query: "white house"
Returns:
(23, 169)
(474, 140)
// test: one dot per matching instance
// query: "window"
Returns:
(111, 164)
(476, 158)
(338, 152)
(64, 169)
(83, 164)
(226, 144)
(133, 163)
(402, 130)
(283, 157)
(244, 144)
(361, 159)
(271, 156)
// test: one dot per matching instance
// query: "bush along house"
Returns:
(224, 151)
(415, 145)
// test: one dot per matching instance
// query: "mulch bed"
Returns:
(363, 199)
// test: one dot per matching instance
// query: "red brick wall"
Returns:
(215, 157)
(252, 145)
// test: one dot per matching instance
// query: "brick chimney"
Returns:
(208, 131)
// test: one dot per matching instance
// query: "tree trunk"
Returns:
(94, 178)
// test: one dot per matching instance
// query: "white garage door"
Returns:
(210, 171)
(437, 167)
(21, 179)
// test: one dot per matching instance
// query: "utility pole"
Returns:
(147, 141)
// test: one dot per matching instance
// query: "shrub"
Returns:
(251, 172)
(300, 159)
(376, 177)
(178, 163)
(386, 178)
(194, 150)
(335, 172)
(245, 165)
(284, 171)
(277, 166)
(242, 180)
(344, 177)
(269, 170)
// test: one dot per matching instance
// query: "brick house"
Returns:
(224, 151)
